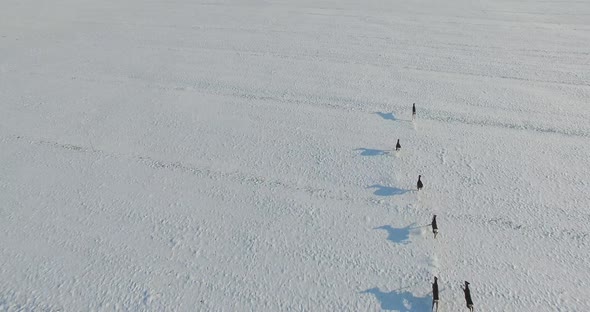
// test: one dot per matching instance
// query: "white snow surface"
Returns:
(235, 155)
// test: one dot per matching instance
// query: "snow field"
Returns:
(233, 155)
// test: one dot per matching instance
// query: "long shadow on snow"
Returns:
(372, 152)
(386, 116)
(390, 116)
(399, 235)
(382, 190)
(402, 301)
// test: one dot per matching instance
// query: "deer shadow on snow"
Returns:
(390, 116)
(382, 190)
(398, 235)
(399, 300)
(372, 152)
(386, 116)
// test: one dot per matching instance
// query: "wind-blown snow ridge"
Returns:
(501, 222)
(354, 105)
(202, 171)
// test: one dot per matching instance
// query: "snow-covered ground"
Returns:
(234, 155)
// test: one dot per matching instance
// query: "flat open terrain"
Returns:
(235, 155)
